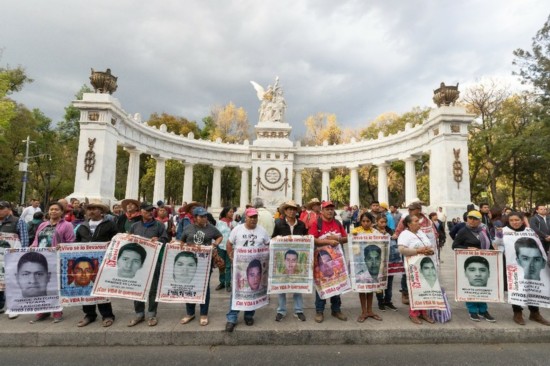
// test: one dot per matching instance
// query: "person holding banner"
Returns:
(225, 225)
(149, 228)
(373, 257)
(474, 236)
(384, 297)
(201, 232)
(412, 241)
(131, 215)
(529, 262)
(289, 225)
(328, 231)
(97, 228)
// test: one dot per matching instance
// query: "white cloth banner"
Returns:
(291, 265)
(249, 272)
(330, 271)
(423, 283)
(478, 276)
(368, 255)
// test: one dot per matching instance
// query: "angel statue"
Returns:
(273, 106)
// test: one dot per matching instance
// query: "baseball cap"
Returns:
(415, 206)
(326, 204)
(199, 211)
(5, 204)
(251, 212)
(475, 214)
(147, 206)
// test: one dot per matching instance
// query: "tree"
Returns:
(179, 125)
(231, 124)
(322, 127)
(11, 81)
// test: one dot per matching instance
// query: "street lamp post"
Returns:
(25, 169)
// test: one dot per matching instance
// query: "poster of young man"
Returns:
(250, 269)
(395, 261)
(127, 268)
(330, 271)
(423, 283)
(477, 276)
(368, 262)
(78, 267)
(527, 269)
(184, 273)
(31, 280)
(290, 265)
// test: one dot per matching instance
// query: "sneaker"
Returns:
(319, 317)
(390, 305)
(279, 317)
(300, 316)
(229, 327)
(487, 317)
(13, 316)
(381, 307)
(474, 317)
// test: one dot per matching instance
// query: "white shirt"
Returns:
(29, 212)
(243, 237)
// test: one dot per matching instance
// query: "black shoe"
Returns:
(228, 288)
(249, 321)
(487, 317)
(220, 286)
(382, 307)
(279, 317)
(229, 327)
(300, 316)
(475, 317)
(389, 305)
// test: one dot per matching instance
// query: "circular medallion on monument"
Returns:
(272, 175)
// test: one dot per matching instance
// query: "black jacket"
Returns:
(282, 228)
(103, 232)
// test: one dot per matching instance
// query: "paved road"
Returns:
(465, 354)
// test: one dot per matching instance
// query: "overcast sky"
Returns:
(356, 59)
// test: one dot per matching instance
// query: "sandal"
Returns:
(152, 322)
(204, 320)
(136, 321)
(362, 318)
(186, 319)
(107, 322)
(375, 317)
(40, 317)
(84, 322)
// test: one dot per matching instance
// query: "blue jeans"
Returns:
(476, 307)
(404, 288)
(335, 303)
(298, 304)
(203, 307)
(139, 306)
(384, 296)
(232, 315)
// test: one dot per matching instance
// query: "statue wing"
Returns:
(259, 89)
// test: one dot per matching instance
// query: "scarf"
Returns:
(483, 238)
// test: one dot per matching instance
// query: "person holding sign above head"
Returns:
(474, 236)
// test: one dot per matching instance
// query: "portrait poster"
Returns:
(78, 267)
(330, 272)
(368, 262)
(31, 280)
(527, 269)
(395, 261)
(127, 268)
(184, 273)
(249, 277)
(478, 276)
(291, 265)
(7, 240)
(423, 283)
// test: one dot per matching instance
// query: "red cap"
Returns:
(327, 204)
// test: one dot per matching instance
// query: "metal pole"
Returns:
(25, 173)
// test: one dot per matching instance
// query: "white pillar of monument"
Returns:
(325, 184)
(188, 182)
(244, 199)
(298, 187)
(132, 180)
(160, 178)
(216, 187)
(410, 180)
(353, 185)
(383, 182)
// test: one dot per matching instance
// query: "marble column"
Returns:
(410, 180)
(188, 182)
(132, 180)
(244, 187)
(325, 184)
(383, 182)
(216, 187)
(298, 187)
(354, 185)
(160, 178)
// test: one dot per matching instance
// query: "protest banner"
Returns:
(184, 273)
(7, 240)
(527, 269)
(127, 268)
(330, 272)
(478, 276)
(423, 283)
(395, 262)
(368, 262)
(249, 272)
(31, 280)
(291, 265)
(78, 266)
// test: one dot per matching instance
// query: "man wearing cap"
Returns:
(96, 229)
(131, 215)
(149, 228)
(186, 217)
(289, 225)
(384, 210)
(201, 232)
(249, 234)
(310, 215)
(328, 231)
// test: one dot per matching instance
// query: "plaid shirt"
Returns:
(21, 230)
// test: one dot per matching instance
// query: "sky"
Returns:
(356, 59)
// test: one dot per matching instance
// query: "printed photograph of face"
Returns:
(324, 262)
(291, 262)
(84, 271)
(185, 267)
(32, 274)
(477, 271)
(428, 271)
(373, 259)
(254, 274)
(130, 260)
(530, 258)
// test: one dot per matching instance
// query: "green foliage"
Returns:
(340, 187)
(179, 125)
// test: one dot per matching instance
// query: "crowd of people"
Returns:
(414, 232)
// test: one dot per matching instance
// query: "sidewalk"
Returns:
(395, 328)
